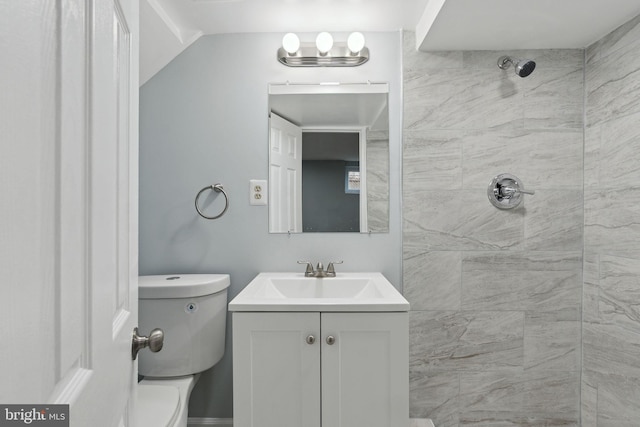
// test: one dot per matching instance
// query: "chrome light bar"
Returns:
(309, 56)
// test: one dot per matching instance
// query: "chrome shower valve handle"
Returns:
(506, 191)
(509, 192)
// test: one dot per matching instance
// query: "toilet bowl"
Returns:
(163, 402)
(191, 309)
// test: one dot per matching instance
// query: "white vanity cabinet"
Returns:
(313, 369)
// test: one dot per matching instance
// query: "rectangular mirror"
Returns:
(328, 158)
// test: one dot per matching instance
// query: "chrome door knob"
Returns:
(331, 340)
(154, 342)
(310, 339)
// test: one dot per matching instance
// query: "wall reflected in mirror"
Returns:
(330, 181)
(328, 158)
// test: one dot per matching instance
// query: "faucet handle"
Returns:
(309, 270)
(331, 269)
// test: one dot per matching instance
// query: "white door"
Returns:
(285, 176)
(68, 211)
(276, 370)
(365, 369)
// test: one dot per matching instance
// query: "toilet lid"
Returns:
(181, 285)
(157, 405)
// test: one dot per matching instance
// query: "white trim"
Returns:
(220, 422)
(228, 422)
(168, 21)
(427, 20)
(190, 38)
(332, 129)
(71, 386)
(311, 89)
(364, 210)
(422, 422)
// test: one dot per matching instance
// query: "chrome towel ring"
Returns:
(218, 188)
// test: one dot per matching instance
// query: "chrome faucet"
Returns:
(320, 271)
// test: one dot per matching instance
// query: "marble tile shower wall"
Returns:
(611, 305)
(495, 295)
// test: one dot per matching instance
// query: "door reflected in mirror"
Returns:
(328, 158)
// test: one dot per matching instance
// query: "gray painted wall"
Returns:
(203, 120)
(325, 205)
(611, 317)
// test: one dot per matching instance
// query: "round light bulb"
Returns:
(355, 42)
(290, 43)
(324, 42)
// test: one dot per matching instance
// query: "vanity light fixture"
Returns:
(324, 52)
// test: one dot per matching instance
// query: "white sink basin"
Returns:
(294, 287)
(295, 292)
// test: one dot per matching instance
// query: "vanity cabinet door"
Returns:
(365, 376)
(276, 369)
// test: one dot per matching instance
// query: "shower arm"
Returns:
(504, 62)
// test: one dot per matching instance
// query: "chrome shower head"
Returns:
(522, 67)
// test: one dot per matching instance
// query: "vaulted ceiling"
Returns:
(167, 27)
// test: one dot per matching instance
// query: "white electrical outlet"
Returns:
(257, 192)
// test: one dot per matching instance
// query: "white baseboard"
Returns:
(219, 422)
(228, 422)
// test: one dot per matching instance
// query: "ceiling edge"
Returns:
(426, 21)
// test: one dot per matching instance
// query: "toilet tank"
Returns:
(191, 309)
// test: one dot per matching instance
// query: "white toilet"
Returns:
(191, 309)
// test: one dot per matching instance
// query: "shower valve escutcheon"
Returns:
(506, 191)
